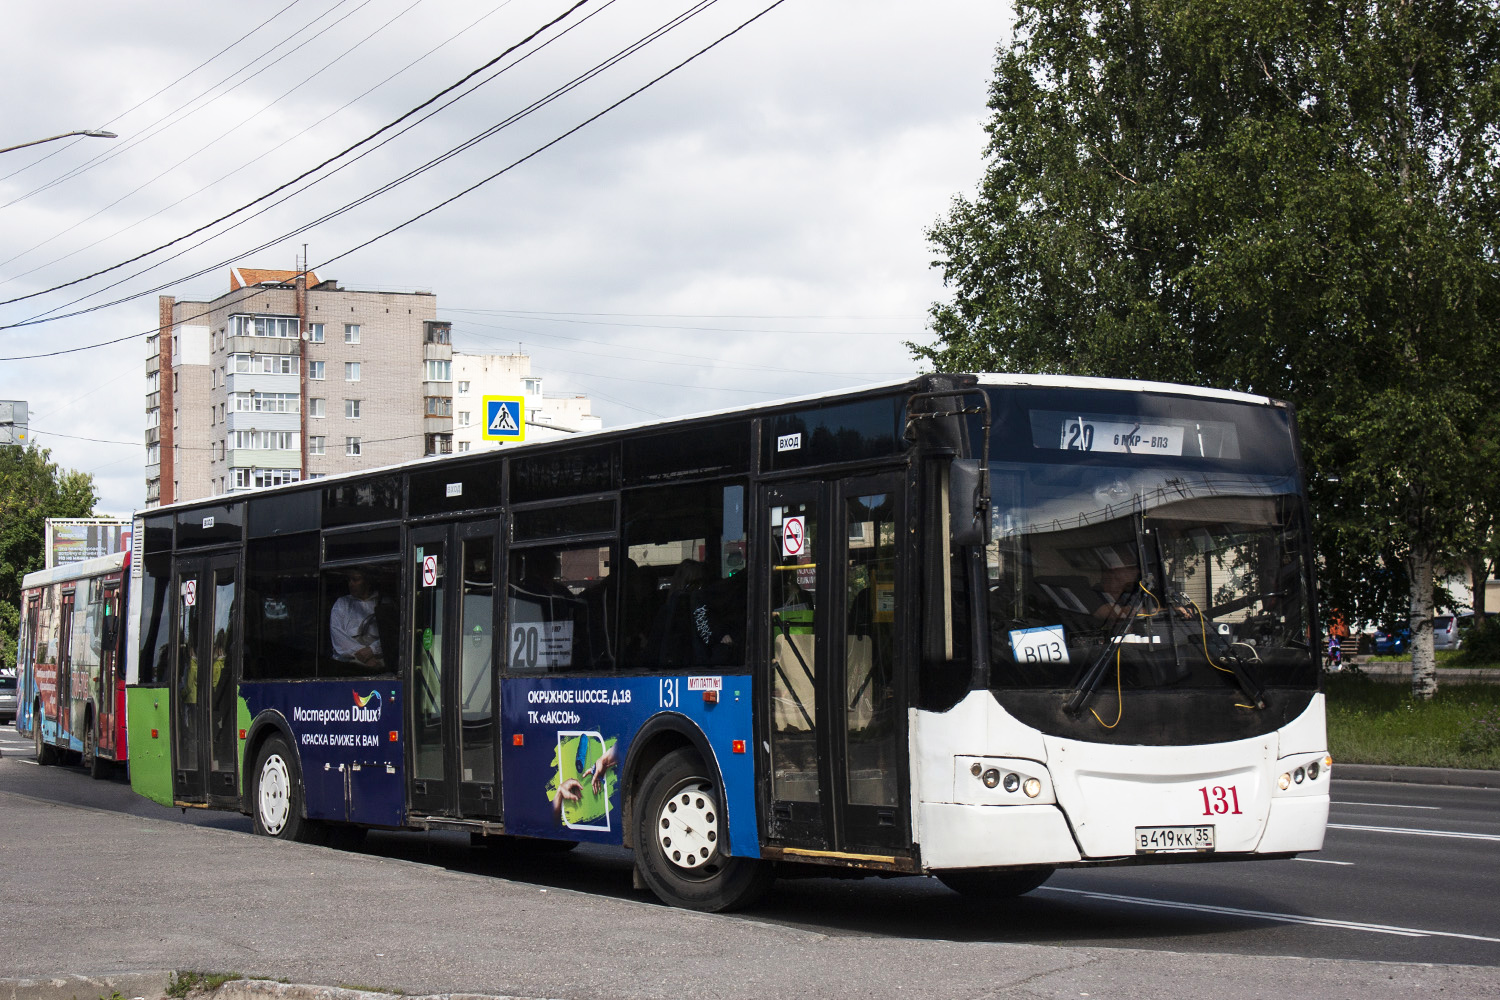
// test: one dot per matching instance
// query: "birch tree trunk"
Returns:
(1423, 659)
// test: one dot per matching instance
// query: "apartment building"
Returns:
(286, 378)
(478, 375)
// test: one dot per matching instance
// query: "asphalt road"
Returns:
(1410, 875)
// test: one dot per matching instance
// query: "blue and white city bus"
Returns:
(978, 627)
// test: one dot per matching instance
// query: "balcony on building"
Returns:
(437, 340)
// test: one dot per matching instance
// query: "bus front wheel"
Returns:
(679, 840)
(995, 885)
(278, 805)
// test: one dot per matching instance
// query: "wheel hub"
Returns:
(274, 794)
(687, 827)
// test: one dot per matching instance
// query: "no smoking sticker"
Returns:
(189, 593)
(793, 536)
(429, 571)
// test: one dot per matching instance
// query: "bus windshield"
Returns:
(1141, 550)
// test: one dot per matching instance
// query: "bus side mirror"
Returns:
(968, 502)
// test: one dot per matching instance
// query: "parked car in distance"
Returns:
(8, 697)
(1445, 632)
(1392, 643)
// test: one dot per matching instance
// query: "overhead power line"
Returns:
(146, 100)
(675, 22)
(460, 194)
(248, 163)
(311, 170)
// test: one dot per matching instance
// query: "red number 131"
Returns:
(1219, 800)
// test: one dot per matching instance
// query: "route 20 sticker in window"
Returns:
(1039, 645)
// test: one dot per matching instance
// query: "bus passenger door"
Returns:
(837, 728)
(104, 697)
(453, 678)
(26, 682)
(205, 744)
(65, 668)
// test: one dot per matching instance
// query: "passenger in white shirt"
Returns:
(356, 639)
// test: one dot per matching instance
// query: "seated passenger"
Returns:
(353, 626)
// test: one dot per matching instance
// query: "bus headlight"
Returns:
(1284, 782)
(1312, 771)
(1032, 788)
(991, 778)
(1012, 781)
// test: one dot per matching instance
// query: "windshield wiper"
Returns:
(1248, 682)
(1089, 682)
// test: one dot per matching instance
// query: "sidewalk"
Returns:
(1416, 775)
(1398, 673)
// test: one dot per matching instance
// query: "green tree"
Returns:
(32, 489)
(1293, 198)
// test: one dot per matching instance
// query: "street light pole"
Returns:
(91, 132)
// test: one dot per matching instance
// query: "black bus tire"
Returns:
(277, 801)
(995, 885)
(45, 754)
(96, 766)
(679, 829)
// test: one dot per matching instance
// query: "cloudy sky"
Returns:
(749, 227)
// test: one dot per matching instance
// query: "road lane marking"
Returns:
(1323, 861)
(1285, 918)
(1415, 833)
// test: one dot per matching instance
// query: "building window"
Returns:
(463, 388)
(265, 364)
(315, 370)
(351, 446)
(351, 333)
(315, 407)
(440, 444)
(261, 478)
(439, 406)
(351, 409)
(284, 327)
(266, 440)
(242, 479)
(463, 418)
(351, 371)
(463, 446)
(315, 333)
(316, 443)
(267, 402)
(440, 371)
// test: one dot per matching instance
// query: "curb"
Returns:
(265, 989)
(153, 986)
(1456, 776)
(71, 986)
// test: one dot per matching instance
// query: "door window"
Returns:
(477, 655)
(430, 579)
(794, 658)
(871, 725)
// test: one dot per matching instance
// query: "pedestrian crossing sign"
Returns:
(505, 418)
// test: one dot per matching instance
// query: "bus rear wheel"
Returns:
(97, 767)
(679, 838)
(45, 754)
(995, 885)
(277, 801)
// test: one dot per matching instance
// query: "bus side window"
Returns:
(281, 611)
(562, 609)
(684, 583)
